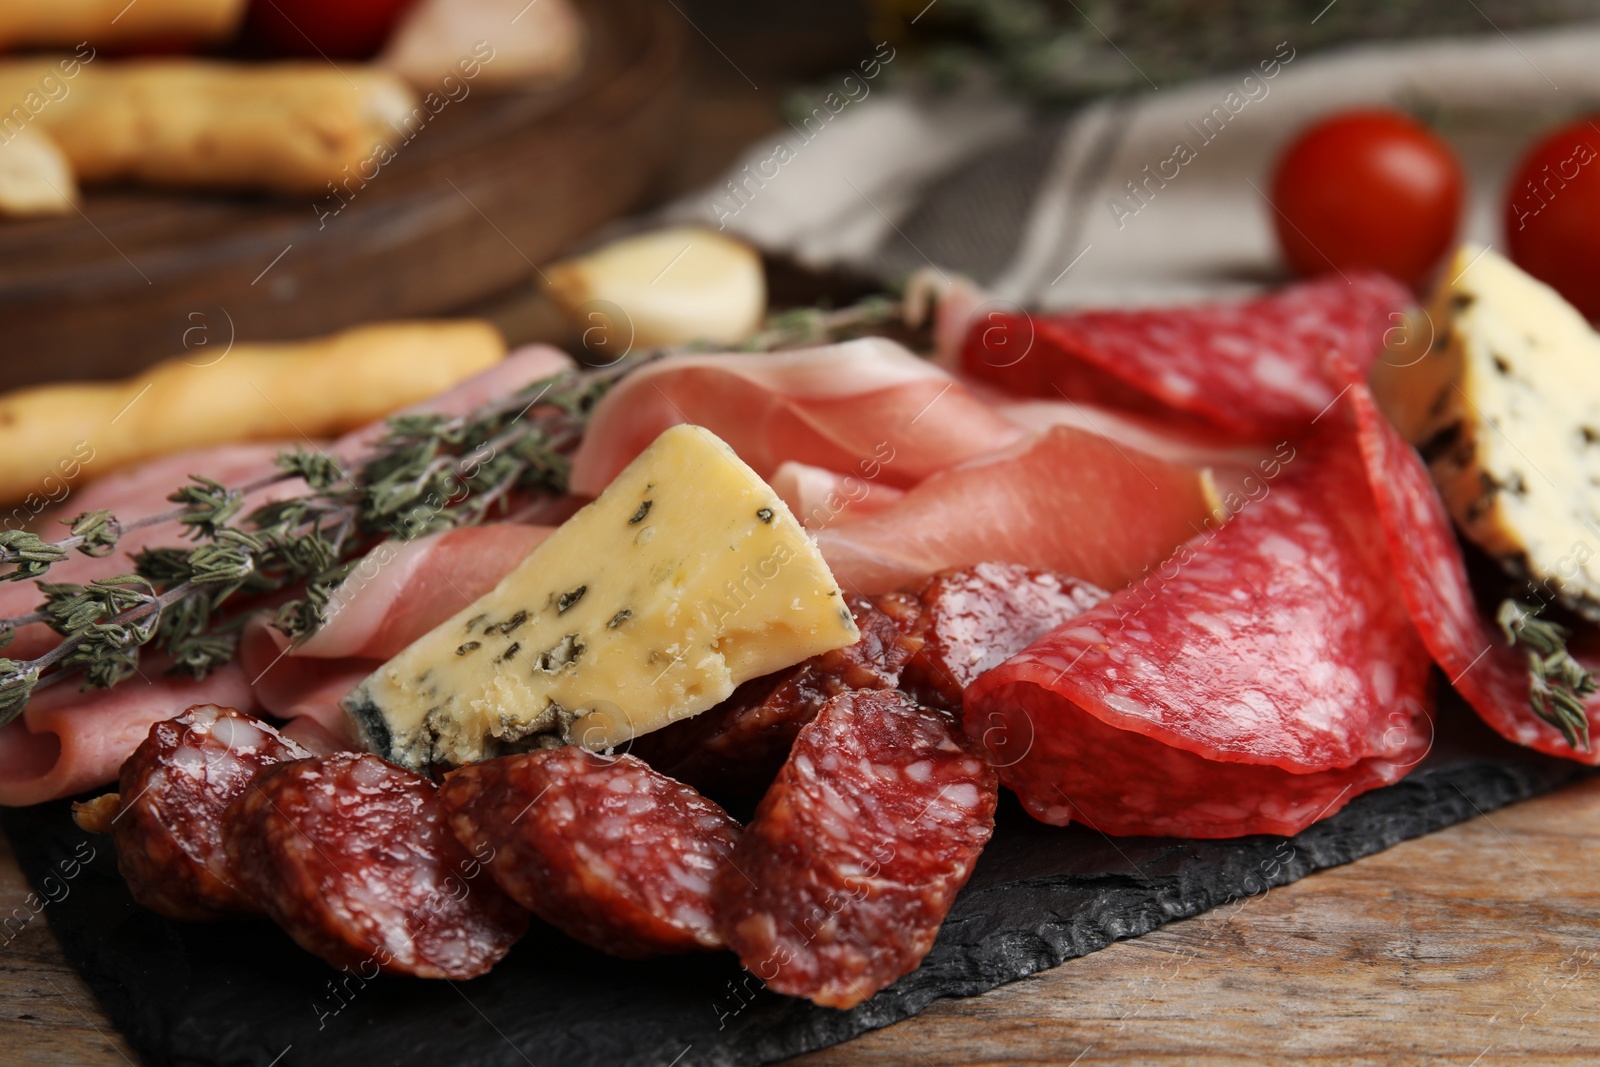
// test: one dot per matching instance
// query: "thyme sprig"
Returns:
(1558, 683)
(425, 473)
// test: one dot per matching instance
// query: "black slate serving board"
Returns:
(241, 993)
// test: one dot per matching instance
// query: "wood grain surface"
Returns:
(1478, 945)
(489, 188)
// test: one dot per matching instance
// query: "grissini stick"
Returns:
(116, 23)
(251, 392)
(287, 127)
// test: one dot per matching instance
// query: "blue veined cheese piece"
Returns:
(685, 577)
(1505, 406)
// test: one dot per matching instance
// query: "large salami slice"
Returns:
(1256, 368)
(1470, 649)
(352, 857)
(1253, 683)
(603, 848)
(857, 851)
(174, 790)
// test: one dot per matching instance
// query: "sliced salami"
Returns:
(174, 788)
(1257, 368)
(352, 857)
(1468, 647)
(735, 749)
(604, 849)
(975, 618)
(856, 853)
(1274, 655)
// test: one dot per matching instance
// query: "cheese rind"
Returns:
(685, 577)
(1505, 406)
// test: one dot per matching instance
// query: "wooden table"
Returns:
(1478, 945)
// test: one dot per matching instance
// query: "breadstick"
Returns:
(254, 392)
(291, 127)
(113, 23)
(35, 178)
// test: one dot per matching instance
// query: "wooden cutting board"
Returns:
(490, 187)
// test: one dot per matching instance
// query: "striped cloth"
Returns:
(1153, 197)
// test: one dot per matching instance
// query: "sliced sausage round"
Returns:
(174, 789)
(611, 852)
(976, 618)
(350, 854)
(843, 878)
(734, 750)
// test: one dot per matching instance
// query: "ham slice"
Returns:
(820, 498)
(1257, 368)
(1064, 500)
(395, 595)
(67, 741)
(1260, 678)
(1470, 649)
(867, 407)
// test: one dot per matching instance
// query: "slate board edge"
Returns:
(1424, 803)
(967, 960)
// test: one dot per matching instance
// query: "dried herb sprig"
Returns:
(1558, 682)
(426, 473)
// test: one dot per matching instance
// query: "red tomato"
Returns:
(1368, 188)
(1553, 213)
(338, 29)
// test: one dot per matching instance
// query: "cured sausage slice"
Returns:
(1256, 367)
(351, 856)
(1273, 657)
(978, 617)
(735, 749)
(174, 788)
(840, 883)
(605, 849)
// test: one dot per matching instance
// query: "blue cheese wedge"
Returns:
(1505, 406)
(685, 577)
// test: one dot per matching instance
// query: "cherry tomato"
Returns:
(338, 29)
(1367, 188)
(1553, 213)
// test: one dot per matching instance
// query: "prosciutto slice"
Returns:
(67, 741)
(1256, 368)
(866, 407)
(1066, 501)
(1470, 649)
(1256, 681)
(141, 490)
(820, 498)
(132, 493)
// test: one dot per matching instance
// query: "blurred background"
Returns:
(981, 137)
